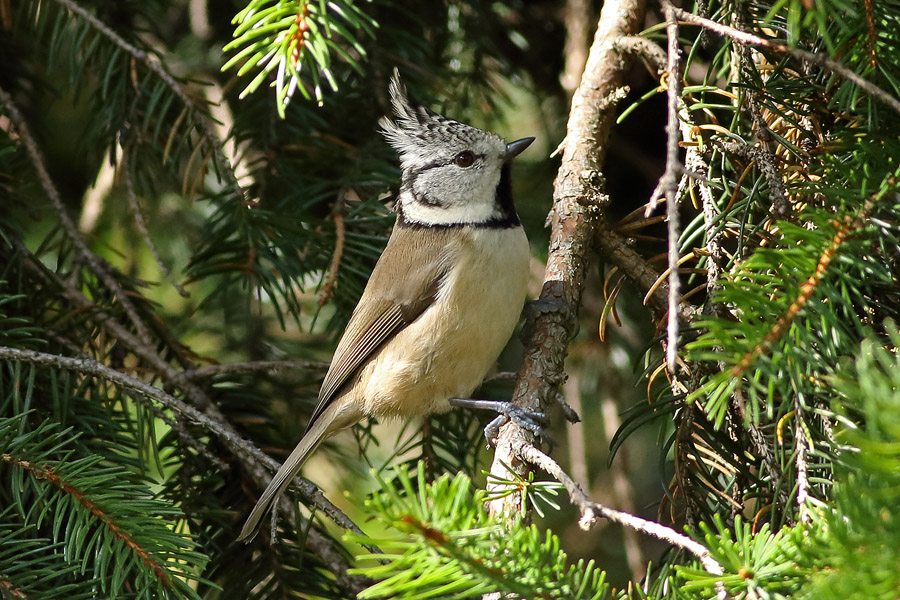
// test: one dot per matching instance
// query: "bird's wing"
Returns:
(403, 284)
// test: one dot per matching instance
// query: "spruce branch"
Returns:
(51, 476)
(815, 58)
(440, 543)
(204, 122)
(109, 532)
(249, 455)
(221, 428)
(807, 289)
(100, 267)
(293, 36)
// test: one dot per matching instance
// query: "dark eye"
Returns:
(464, 159)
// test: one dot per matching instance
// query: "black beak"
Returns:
(513, 149)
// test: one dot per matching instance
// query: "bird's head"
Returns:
(453, 174)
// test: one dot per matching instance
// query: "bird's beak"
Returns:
(513, 149)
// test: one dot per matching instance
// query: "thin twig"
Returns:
(669, 183)
(135, 207)
(813, 57)
(591, 510)
(764, 158)
(802, 467)
(713, 234)
(182, 433)
(204, 122)
(758, 438)
(254, 366)
(763, 155)
(339, 237)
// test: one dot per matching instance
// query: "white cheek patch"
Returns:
(464, 212)
(450, 195)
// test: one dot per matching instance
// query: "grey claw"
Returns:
(492, 429)
(526, 419)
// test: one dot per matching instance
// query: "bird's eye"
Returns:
(464, 159)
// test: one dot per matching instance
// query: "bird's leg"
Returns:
(528, 419)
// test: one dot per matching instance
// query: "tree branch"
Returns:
(100, 267)
(813, 57)
(578, 205)
(204, 122)
(669, 182)
(590, 510)
(222, 429)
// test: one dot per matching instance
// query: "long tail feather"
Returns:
(322, 428)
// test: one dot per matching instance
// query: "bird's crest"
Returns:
(417, 131)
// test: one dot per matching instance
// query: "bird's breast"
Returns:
(450, 348)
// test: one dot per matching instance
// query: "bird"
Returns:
(444, 297)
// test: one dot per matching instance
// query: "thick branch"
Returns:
(578, 202)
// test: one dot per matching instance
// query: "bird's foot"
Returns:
(529, 420)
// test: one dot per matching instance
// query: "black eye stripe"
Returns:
(439, 163)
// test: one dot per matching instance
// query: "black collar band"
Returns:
(495, 223)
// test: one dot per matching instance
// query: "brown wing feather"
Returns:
(403, 284)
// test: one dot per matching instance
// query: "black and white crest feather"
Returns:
(419, 131)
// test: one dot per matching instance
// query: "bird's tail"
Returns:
(324, 427)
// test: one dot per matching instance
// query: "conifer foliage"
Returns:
(193, 200)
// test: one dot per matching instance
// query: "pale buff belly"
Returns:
(449, 349)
